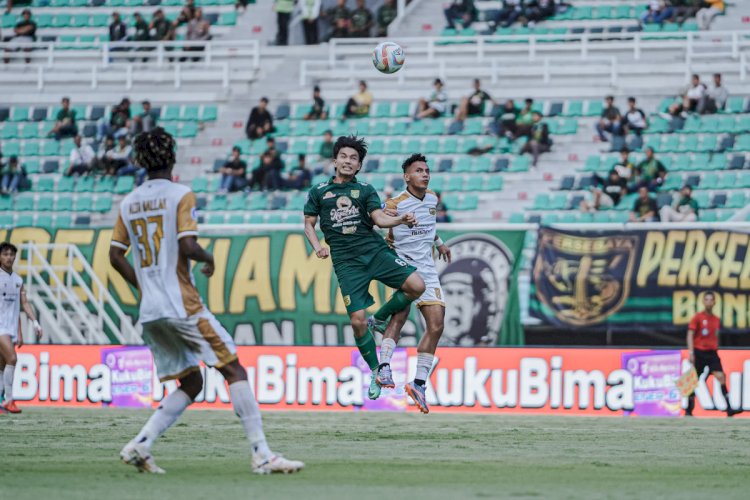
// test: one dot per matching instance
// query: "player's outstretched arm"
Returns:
(118, 260)
(381, 219)
(190, 248)
(312, 237)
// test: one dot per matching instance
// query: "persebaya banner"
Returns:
(650, 278)
(270, 288)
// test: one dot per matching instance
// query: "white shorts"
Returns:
(12, 335)
(179, 345)
(433, 293)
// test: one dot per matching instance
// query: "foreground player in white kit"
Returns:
(159, 221)
(12, 298)
(414, 245)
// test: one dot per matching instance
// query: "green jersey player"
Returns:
(348, 211)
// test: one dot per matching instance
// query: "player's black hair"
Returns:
(351, 141)
(416, 157)
(8, 246)
(154, 150)
(707, 292)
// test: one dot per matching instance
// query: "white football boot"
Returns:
(276, 465)
(140, 457)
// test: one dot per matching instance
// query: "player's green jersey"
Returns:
(344, 211)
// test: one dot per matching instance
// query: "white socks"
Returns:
(246, 407)
(386, 350)
(165, 415)
(424, 365)
(10, 370)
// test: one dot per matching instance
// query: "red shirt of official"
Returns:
(705, 327)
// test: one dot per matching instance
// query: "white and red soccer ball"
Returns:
(388, 57)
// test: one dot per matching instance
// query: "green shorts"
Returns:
(355, 273)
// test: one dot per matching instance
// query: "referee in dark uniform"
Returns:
(703, 344)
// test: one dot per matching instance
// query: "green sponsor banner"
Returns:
(269, 288)
(649, 279)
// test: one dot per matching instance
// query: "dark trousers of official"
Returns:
(282, 35)
(310, 27)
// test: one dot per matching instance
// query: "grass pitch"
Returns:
(73, 454)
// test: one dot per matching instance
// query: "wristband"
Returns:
(36, 324)
(439, 242)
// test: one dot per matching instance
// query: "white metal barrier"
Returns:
(74, 306)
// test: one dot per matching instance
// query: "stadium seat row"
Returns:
(62, 20)
(28, 202)
(169, 112)
(10, 220)
(697, 161)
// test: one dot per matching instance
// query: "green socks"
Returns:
(398, 302)
(368, 350)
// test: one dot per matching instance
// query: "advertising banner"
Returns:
(269, 287)
(651, 279)
(476, 380)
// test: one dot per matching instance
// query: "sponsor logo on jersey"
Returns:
(344, 210)
(328, 195)
(347, 300)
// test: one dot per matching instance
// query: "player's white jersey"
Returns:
(414, 244)
(10, 303)
(152, 219)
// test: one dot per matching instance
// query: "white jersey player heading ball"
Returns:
(414, 245)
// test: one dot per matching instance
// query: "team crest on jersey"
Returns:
(475, 288)
(433, 211)
(328, 195)
(355, 193)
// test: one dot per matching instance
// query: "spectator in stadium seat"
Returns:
(318, 110)
(310, 15)
(283, 9)
(539, 140)
(118, 30)
(325, 154)
(504, 122)
(685, 9)
(233, 173)
(635, 120)
(340, 18)
(473, 105)
(260, 122)
(10, 176)
(650, 173)
(141, 33)
(658, 11)
(610, 120)
(644, 208)
(442, 211)
(359, 104)
(268, 174)
(362, 21)
(463, 11)
(716, 96)
(198, 30)
(186, 14)
(434, 106)
(24, 33)
(82, 158)
(160, 27)
(65, 122)
(121, 159)
(525, 119)
(508, 14)
(104, 162)
(695, 95)
(386, 14)
(119, 121)
(705, 16)
(538, 10)
(271, 147)
(605, 193)
(145, 122)
(624, 167)
(300, 176)
(685, 210)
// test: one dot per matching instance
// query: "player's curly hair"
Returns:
(351, 141)
(154, 150)
(416, 157)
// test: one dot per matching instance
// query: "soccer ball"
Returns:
(388, 57)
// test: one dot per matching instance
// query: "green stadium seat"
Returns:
(124, 185)
(199, 185)
(541, 202)
(519, 164)
(190, 113)
(729, 180)
(61, 21)
(30, 131)
(45, 204)
(9, 131)
(6, 220)
(99, 20)
(558, 201)
(103, 204)
(710, 180)
(454, 184)
(45, 184)
(736, 199)
(62, 221)
(104, 185)
(474, 184)
(79, 20)
(30, 148)
(170, 113)
(188, 130)
(24, 220)
(66, 184)
(84, 203)
(594, 108)
(44, 221)
(236, 218)
(19, 114)
(84, 185)
(11, 149)
(227, 19)
(383, 110)
(402, 110)
(450, 145)
(64, 203)
(218, 203)
(24, 202)
(462, 164)
(735, 104)
(209, 113)
(215, 219)
(718, 162)
(672, 182)
(574, 108)
(236, 201)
